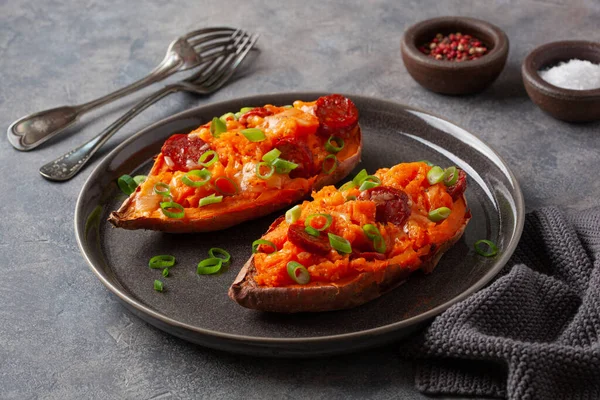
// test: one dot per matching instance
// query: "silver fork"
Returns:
(210, 77)
(185, 52)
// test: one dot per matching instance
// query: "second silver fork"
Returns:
(211, 76)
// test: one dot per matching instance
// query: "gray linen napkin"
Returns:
(534, 333)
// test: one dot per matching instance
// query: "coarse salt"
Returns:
(573, 74)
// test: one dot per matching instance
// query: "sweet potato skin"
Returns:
(364, 287)
(223, 220)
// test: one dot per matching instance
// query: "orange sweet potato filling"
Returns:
(407, 246)
(235, 151)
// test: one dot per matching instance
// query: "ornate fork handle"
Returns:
(67, 165)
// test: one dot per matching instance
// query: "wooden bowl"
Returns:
(451, 77)
(564, 104)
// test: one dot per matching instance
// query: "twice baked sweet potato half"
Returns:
(245, 165)
(353, 244)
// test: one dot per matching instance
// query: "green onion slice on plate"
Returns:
(339, 243)
(161, 261)
(165, 272)
(172, 209)
(158, 286)
(486, 248)
(217, 252)
(126, 184)
(298, 273)
(360, 177)
(209, 266)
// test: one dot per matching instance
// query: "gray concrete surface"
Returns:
(63, 336)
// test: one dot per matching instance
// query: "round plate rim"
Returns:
(242, 339)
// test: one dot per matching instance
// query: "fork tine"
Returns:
(226, 71)
(200, 44)
(225, 50)
(203, 31)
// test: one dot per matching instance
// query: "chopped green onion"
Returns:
(347, 186)
(226, 186)
(339, 243)
(139, 179)
(209, 266)
(360, 177)
(212, 199)
(369, 182)
(350, 198)
(439, 214)
(427, 162)
(127, 184)
(492, 249)
(166, 205)
(162, 261)
(298, 273)
(244, 110)
(288, 106)
(312, 231)
(203, 174)
(268, 174)
(284, 166)
(254, 134)
(258, 242)
(162, 189)
(217, 126)
(158, 286)
(331, 147)
(379, 245)
(224, 117)
(371, 231)
(293, 214)
(327, 224)
(333, 165)
(271, 156)
(165, 272)
(435, 175)
(450, 176)
(202, 160)
(237, 115)
(222, 254)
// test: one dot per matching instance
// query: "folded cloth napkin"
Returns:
(534, 333)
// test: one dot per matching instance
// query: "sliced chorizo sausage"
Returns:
(313, 244)
(258, 111)
(337, 115)
(184, 151)
(298, 153)
(391, 205)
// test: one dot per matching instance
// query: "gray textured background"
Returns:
(63, 336)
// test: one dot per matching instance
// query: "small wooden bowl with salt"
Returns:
(563, 79)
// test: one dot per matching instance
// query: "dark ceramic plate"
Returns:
(196, 308)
